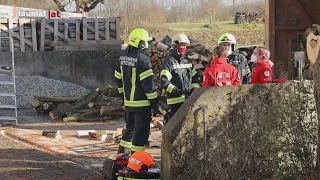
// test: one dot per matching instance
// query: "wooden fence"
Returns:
(59, 34)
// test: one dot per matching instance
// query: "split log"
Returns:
(112, 111)
(49, 106)
(82, 103)
(107, 101)
(36, 103)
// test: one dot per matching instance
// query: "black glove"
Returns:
(176, 92)
(155, 106)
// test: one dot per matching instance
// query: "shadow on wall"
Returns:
(90, 69)
(253, 132)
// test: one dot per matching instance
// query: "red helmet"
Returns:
(140, 161)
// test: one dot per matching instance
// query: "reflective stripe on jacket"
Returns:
(135, 79)
(178, 73)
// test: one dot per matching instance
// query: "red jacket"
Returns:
(220, 73)
(262, 73)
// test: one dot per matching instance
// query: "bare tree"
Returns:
(86, 5)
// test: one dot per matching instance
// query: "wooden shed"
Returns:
(286, 21)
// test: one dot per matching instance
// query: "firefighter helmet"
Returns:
(227, 37)
(139, 38)
(180, 39)
(140, 161)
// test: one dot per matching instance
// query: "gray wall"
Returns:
(90, 69)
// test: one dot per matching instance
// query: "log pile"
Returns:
(99, 105)
(157, 52)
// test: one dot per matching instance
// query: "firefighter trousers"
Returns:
(137, 131)
(173, 108)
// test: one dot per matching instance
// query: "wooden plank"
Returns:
(66, 29)
(42, 33)
(96, 29)
(84, 28)
(34, 35)
(111, 19)
(21, 29)
(118, 29)
(4, 20)
(87, 42)
(11, 32)
(106, 31)
(77, 30)
(270, 26)
(55, 30)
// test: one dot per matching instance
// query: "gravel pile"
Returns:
(30, 86)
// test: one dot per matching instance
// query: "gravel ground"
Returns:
(30, 86)
(19, 161)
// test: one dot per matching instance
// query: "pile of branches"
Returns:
(99, 105)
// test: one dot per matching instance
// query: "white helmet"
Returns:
(180, 38)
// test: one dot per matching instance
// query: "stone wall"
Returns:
(252, 132)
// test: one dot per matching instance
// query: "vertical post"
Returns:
(10, 32)
(106, 31)
(270, 27)
(21, 29)
(34, 35)
(0, 37)
(118, 35)
(55, 30)
(66, 30)
(77, 30)
(84, 28)
(96, 29)
(42, 33)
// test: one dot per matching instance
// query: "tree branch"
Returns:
(94, 3)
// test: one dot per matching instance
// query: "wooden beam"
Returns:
(16, 35)
(66, 29)
(96, 29)
(106, 31)
(118, 35)
(21, 30)
(93, 30)
(57, 33)
(42, 33)
(84, 29)
(77, 30)
(270, 26)
(0, 38)
(34, 35)
(55, 30)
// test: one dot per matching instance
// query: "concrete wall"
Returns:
(91, 69)
(252, 132)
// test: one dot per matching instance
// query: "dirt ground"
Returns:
(20, 161)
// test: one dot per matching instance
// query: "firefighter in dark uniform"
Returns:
(178, 77)
(135, 80)
(228, 41)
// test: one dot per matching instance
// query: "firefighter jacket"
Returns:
(135, 80)
(220, 73)
(262, 73)
(241, 63)
(178, 77)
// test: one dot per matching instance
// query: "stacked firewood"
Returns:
(99, 105)
(157, 52)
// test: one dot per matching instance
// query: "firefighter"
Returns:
(178, 77)
(228, 41)
(135, 80)
(262, 72)
(220, 73)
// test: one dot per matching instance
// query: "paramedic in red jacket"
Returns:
(262, 72)
(220, 73)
